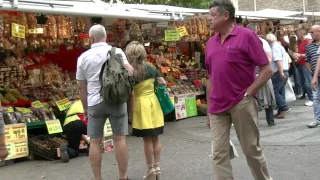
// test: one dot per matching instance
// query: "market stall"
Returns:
(40, 42)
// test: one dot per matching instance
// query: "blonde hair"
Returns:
(137, 56)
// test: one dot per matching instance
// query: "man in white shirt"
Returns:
(280, 67)
(88, 71)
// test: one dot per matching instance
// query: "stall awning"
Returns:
(84, 8)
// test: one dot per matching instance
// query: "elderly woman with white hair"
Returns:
(280, 67)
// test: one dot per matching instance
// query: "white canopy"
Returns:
(84, 8)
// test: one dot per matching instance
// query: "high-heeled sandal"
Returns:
(151, 173)
(157, 171)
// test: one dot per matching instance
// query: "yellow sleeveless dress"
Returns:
(148, 118)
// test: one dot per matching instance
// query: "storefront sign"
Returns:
(171, 35)
(107, 129)
(54, 126)
(23, 110)
(182, 31)
(191, 105)
(63, 104)
(16, 140)
(37, 104)
(18, 30)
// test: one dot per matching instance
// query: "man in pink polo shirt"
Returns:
(232, 56)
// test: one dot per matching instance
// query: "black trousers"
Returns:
(269, 115)
(74, 130)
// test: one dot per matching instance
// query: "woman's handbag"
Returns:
(164, 98)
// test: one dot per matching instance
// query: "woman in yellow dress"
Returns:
(144, 109)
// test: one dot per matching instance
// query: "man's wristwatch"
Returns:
(246, 95)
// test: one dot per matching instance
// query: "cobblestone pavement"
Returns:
(290, 147)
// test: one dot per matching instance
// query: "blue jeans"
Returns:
(316, 102)
(305, 79)
(279, 91)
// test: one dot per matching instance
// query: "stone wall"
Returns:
(294, 5)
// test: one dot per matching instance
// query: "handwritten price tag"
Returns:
(182, 31)
(36, 31)
(171, 35)
(23, 110)
(18, 30)
(16, 140)
(63, 104)
(54, 126)
(46, 105)
(37, 104)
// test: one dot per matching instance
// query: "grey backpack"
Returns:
(116, 82)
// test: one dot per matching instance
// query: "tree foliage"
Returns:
(183, 3)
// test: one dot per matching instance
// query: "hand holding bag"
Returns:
(163, 97)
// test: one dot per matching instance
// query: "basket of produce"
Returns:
(45, 146)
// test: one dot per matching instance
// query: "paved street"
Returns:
(292, 151)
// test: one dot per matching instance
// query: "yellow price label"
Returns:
(54, 126)
(16, 140)
(63, 104)
(182, 31)
(171, 35)
(10, 109)
(23, 110)
(107, 129)
(18, 30)
(172, 99)
(161, 47)
(36, 31)
(46, 105)
(37, 104)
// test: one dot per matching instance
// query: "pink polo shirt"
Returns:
(232, 66)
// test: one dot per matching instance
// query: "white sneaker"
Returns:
(308, 103)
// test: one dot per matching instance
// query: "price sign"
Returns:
(164, 70)
(182, 31)
(46, 105)
(172, 99)
(16, 140)
(36, 31)
(23, 110)
(37, 104)
(171, 35)
(107, 129)
(54, 126)
(18, 30)
(63, 104)
(10, 109)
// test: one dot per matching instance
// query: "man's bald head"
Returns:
(315, 32)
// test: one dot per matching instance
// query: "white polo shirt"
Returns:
(89, 66)
(266, 46)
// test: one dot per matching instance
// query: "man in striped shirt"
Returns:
(312, 57)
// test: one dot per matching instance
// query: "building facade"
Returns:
(293, 5)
